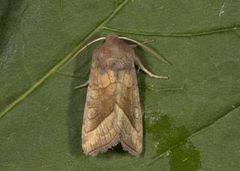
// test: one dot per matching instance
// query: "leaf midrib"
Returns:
(67, 58)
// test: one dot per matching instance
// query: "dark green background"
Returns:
(191, 121)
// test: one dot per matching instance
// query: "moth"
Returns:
(112, 111)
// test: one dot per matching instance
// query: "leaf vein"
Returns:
(63, 61)
(237, 106)
(206, 32)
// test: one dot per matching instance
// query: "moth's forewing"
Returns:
(112, 112)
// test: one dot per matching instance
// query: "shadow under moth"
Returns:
(112, 111)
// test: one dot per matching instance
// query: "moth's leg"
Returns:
(82, 85)
(141, 66)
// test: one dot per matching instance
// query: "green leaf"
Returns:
(191, 121)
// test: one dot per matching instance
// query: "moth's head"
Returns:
(112, 38)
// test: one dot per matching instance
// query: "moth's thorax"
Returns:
(114, 54)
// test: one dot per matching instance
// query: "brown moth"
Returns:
(112, 112)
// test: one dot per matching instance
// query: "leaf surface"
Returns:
(191, 121)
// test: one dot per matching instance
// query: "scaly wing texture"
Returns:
(98, 132)
(112, 112)
(128, 112)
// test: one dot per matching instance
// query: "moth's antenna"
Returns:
(147, 48)
(88, 44)
(80, 50)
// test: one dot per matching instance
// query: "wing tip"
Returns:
(102, 149)
(133, 151)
